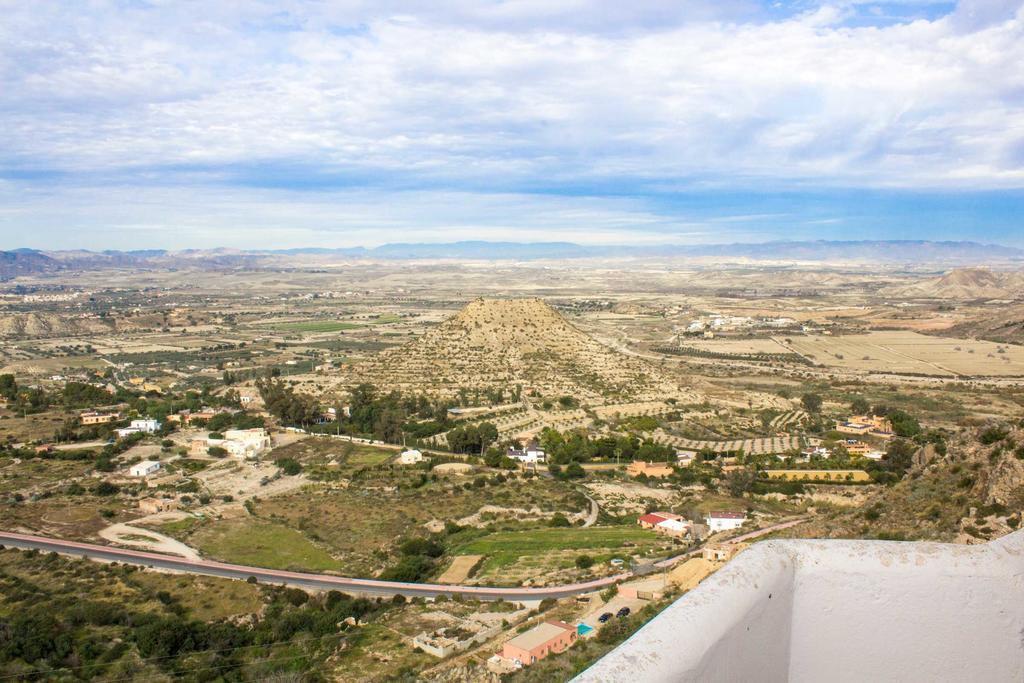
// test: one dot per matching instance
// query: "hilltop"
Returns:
(501, 343)
(965, 283)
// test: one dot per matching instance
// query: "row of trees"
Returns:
(580, 447)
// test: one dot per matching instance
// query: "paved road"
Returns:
(367, 587)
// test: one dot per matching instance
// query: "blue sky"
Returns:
(282, 124)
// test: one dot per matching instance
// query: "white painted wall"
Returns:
(840, 611)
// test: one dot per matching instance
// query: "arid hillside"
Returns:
(502, 343)
(971, 491)
(27, 325)
(965, 283)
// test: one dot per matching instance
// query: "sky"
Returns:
(175, 124)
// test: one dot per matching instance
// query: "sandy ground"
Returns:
(241, 479)
(627, 497)
(121, 533)
(690, 573)
(460, 569)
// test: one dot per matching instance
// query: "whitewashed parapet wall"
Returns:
(809, 610)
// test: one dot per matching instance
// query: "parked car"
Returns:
(605, 617)
(624, 612)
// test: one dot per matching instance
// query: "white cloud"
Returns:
(919, 104)
(494, 97)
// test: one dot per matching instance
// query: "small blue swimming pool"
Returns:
(583, 629)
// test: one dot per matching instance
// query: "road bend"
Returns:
(309, 581)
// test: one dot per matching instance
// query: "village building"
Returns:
(677, 528)
(724, 521)
(854, 447)
(721, 552)
(152, 506)
(650, 520)
(652, 588)
(239, 443)
(93, 417)
(657, 470)
(144, 468)
(866, 424)
(534, 645)
(410, 457)
(532, 453)
(685, 458)
(147, 426)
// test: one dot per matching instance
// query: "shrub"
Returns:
(289, 466)
(559, 520)
(584, 562)
(105, 488)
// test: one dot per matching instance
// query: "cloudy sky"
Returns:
(171, 124)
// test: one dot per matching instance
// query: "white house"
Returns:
(685, 458)
(673, 527)
(530, 455)
(144, 468)
(147, 426)
(410, 457)
(723, 521)
(243, 443)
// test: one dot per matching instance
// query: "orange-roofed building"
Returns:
(540, 641)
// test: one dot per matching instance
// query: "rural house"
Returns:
(410, 457)
(144, 468)
(724, 521)
(540, 641)
(657, 470)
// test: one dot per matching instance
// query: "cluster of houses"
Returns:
(676, 526)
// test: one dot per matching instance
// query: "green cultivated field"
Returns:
(261, 544)
(315, 326)
(506, 548)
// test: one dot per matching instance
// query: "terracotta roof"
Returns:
(652, 519)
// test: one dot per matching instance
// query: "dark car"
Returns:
(605, 617)
(624, 612)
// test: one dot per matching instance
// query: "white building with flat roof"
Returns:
(410, 457)
(144, 468)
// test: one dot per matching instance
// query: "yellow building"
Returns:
(651, 469)
(874, 425)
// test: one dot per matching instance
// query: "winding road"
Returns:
(365, 587)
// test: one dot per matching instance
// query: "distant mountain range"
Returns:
(28, 261)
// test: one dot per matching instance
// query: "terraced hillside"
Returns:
(503, 343)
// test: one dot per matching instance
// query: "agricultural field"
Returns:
(738, 347)
(912, 353)
(538, 556)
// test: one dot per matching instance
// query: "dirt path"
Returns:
(594, 509)
(126, 534)
(765, 531)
